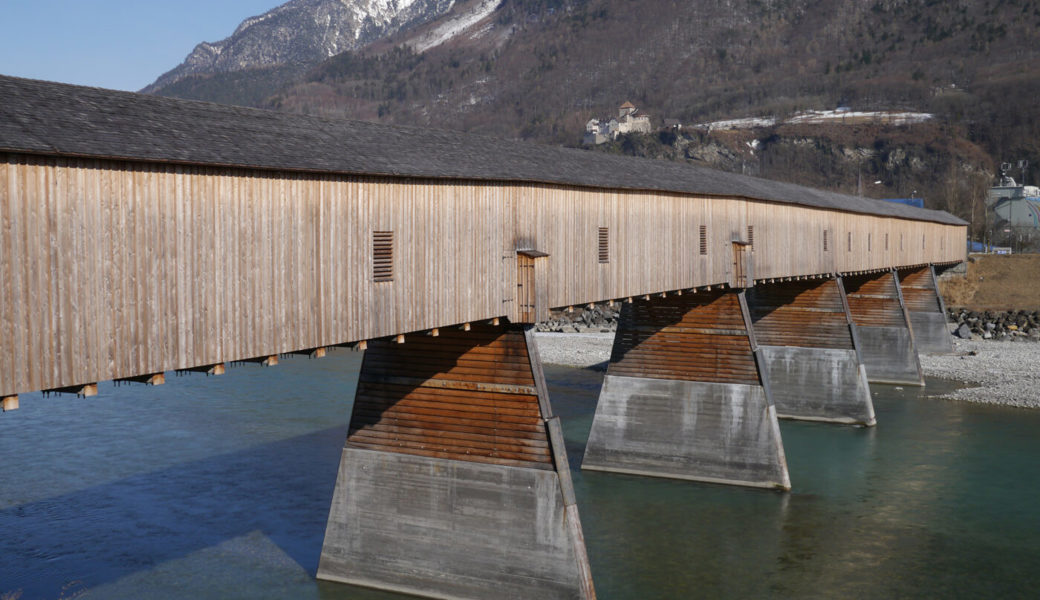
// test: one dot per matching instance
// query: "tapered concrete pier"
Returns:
(810, 350)
(926, 309)
(683, 398)
(887, 343)
(454, 481)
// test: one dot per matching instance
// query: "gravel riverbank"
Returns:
(1005, 373)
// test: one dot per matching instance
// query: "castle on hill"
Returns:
(629, 120)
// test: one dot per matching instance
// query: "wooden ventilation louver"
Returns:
(751, 235)
(850, 241)
(383, 255)
(604, 245)
(704, 240)
(869, 240)
(824, 240)
(886, 242)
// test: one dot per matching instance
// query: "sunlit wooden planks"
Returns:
(116, 269)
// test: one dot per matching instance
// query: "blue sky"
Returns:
(119, 44)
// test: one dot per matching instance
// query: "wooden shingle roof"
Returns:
(64, 120)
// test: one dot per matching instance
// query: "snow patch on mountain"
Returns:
(454, 26)
(303, 33)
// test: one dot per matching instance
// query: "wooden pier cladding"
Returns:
(808, 314)
(693, 337)
(140, 235)
(919, 292)
(874, 300)
(464, 395)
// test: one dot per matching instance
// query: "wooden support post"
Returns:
(467, 326)
(84, 391)
(435, 332)
(217, 369)
(266, 361)
(153, 379)
(399, 339)
(312, 353)
(495, 322)
(10, 403)
(362, 345)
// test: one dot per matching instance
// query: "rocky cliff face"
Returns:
(303, 33)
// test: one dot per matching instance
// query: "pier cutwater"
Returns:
(143, 235)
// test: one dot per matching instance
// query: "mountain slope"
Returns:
(302, 33)
(539, 69)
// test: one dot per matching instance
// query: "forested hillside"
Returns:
(539, 69)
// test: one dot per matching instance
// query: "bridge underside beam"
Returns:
(810, 354)
(683, 399)
(926, 309)
(887, 343)
(454, 481)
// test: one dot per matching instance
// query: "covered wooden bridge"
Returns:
(140, 235)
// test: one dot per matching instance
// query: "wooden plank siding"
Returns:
(465, 395)
(113, 269)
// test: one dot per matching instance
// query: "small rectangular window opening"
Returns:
(824, 240)
(751, 235)
(383, 255)
(886, 242)
(869, 241)
(922, 242)
(604, 245)
(704, 240)
(900, 242)
(850, 241)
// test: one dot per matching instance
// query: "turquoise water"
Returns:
(219, 487)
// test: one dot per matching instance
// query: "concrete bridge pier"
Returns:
(926, 309)
(810, 350)
(454, 480)
(682, 397)
(887, 342)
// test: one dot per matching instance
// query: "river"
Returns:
(219, 487)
